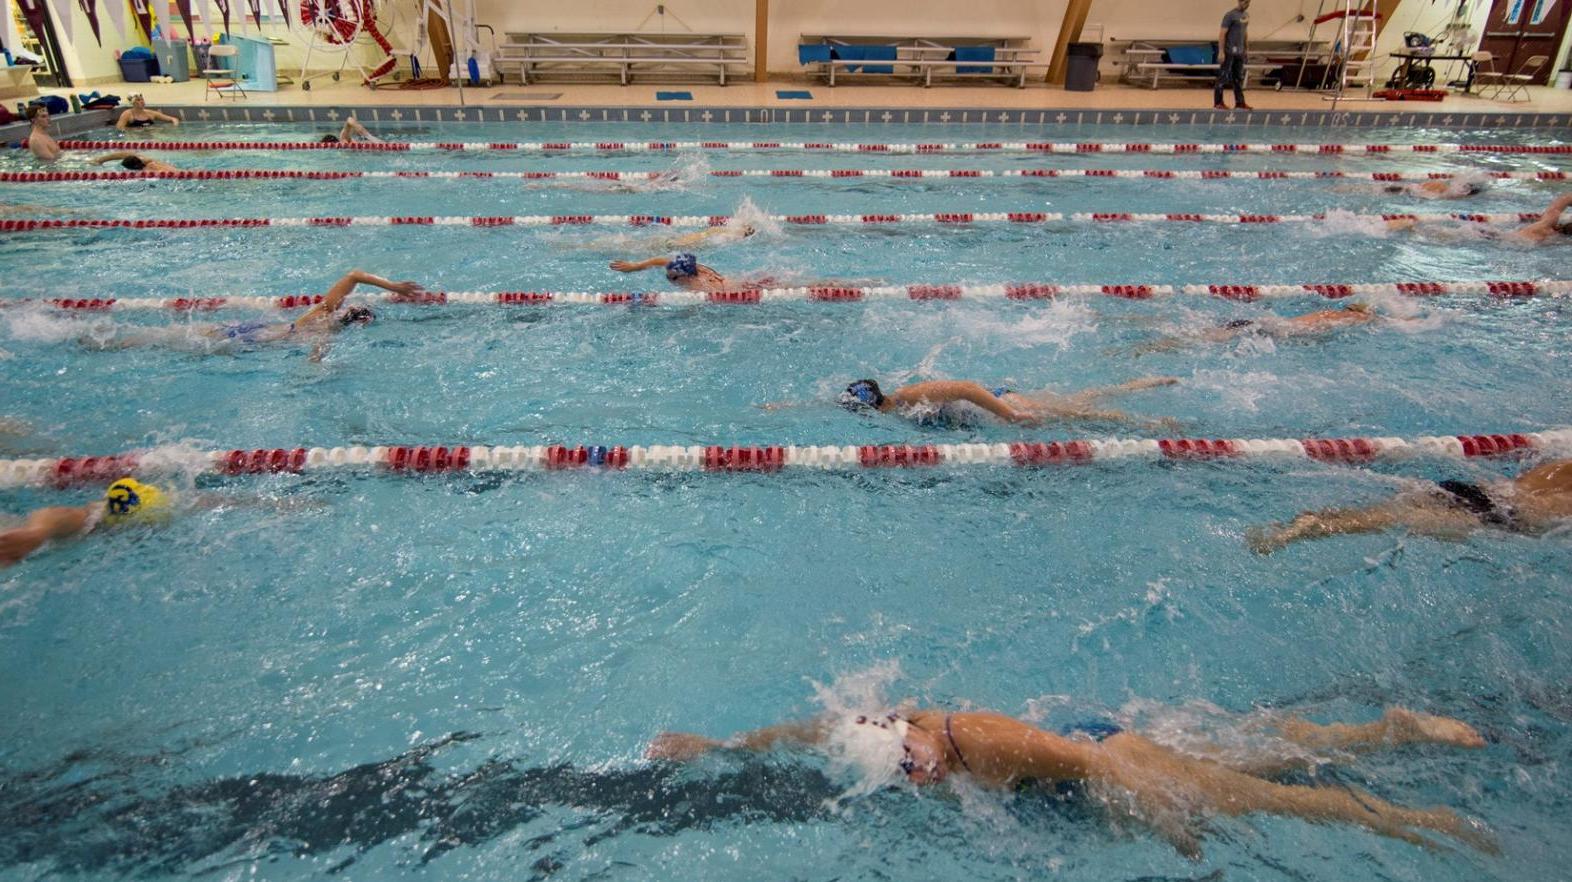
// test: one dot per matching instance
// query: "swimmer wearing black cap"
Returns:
(1547, 229)
(682, 270)
(316, 324)
(944, 398)
(1174, 792)
(352, 133)
(1452, 188)
(1311, 324)
(134, 161)
(1533, 502)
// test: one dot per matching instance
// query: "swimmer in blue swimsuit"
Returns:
(316, 325)
(1173, 791)
(947, 400)
(1533, 502)
(1547, 229)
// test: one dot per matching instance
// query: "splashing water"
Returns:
(867, 755)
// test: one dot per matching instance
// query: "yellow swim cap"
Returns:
(129, 500)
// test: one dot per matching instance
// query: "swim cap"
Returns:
(861, 394)
(871, 747)
(129, 500)
(682, 266)
(134, 163)
(328, 139)
(356, 315)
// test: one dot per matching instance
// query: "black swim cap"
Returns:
(328, 139)
(134, 163)
(357, 315)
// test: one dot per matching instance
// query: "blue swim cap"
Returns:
(861, 394)
(682, 266)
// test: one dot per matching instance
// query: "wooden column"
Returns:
(761, 40)
(1069, 32)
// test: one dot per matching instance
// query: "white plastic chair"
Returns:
(227, 83)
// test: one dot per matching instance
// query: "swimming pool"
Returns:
(233, 693)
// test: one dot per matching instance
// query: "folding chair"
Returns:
(227, 83)
(1485, 74)
(1516, 84)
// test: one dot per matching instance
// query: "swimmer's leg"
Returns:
(200, 337)
(1399, 726)
(1420, 514)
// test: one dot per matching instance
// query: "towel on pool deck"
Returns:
(793, 93)
(974, 53)
(673, 96)
(879, 53)
(808, 53)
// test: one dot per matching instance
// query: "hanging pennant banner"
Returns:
(116, 10)
(185, 13)
(223, 9)
(283, 10)
(144, 17)
(90, 9)
(33, 11)
(206, 11)
(256, 12)
(63, 20)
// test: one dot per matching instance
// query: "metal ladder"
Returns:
(1356, 31)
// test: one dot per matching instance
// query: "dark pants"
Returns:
(1230, 73)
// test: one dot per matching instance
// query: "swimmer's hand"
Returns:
(625, 266)
(1266, 540)
(405, 291)
(680, 746)
(776, 405)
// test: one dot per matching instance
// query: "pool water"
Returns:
(273, 687)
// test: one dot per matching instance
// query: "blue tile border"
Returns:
(1069, 117)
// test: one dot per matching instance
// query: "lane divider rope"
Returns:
(41, 177)
(830, 147)
(22, 225)
(421, 459)
(1012, 291)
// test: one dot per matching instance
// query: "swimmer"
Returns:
(682, 270)
(126, 502)
(721, 234)
(1311, 324)
(947, 397)
(316, 324)
(1533, 502)
(1546, 230)
(1449, 188)
(139, 115)
(352, 132)
(134, 161)
(43, 144)
(1174, 792)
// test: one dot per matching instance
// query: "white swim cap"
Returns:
(872, 748)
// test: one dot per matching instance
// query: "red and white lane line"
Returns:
(420, 459)
(23, 225)
(1012, 291)
(831, 147)
(45, 177)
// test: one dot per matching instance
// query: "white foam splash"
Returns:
(1339, 222)
(870, 762)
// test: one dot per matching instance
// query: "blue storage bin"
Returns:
(138, 70)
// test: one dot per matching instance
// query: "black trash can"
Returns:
(1080, 73)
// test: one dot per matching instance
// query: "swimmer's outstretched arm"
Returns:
(1552, 215)
(940, 392)
(44, 524)
(633, 266)
(344, 286)
(684, 746)
(115, 156)
(353, 128)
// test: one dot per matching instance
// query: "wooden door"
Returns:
(1517, 30)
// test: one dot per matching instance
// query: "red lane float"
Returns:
(766, 458)
(1010, 291)
(829, 147)
(24, 225)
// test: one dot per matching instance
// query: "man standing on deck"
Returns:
(1233, 43)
